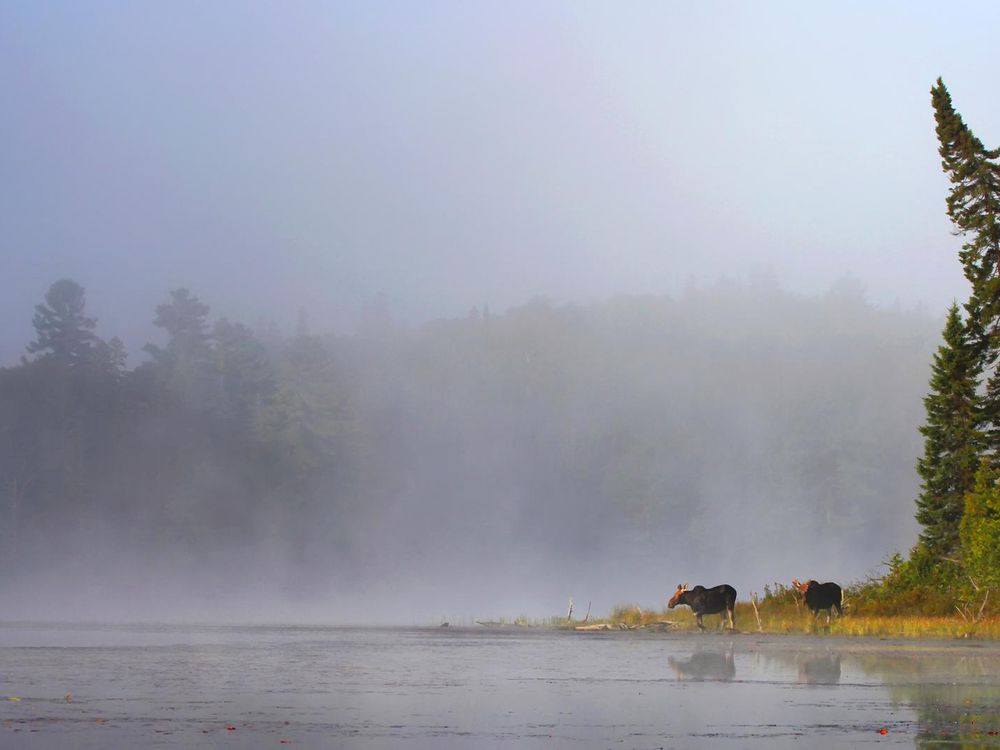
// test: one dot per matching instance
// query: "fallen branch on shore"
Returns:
(657, 625)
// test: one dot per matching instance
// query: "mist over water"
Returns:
(491, 466)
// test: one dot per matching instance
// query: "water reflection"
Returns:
(704, 665)
(454, 688)
(805, 666)
(955, 696)
(819, 670)
(952, 690)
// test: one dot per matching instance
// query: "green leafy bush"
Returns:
(980, 529)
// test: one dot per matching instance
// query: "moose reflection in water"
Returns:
(819, 670)
(702, 601)
(705, 666)
(807, 666)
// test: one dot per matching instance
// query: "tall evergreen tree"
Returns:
(974, 208)
(185, 319)
(187, 363)
(63, 331)
(952, 438)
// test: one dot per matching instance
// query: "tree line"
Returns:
(170, 458)
(639, 431)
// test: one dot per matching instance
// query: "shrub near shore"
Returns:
(875, 608)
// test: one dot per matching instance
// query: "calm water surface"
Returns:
(253, 687)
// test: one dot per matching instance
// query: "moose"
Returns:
(704, 601)
(821, 596)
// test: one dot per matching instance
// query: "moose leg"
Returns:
(731, 611)
(697, 618)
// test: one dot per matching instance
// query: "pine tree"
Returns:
(110, 357)
(185, 319)
(63, 331)
(187, 363)
(952, 438)
(974, 208)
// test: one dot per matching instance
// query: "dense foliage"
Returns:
(980, 530)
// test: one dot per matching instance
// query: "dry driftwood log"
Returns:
(658, 625)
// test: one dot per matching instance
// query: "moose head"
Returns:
(802, 587)
(681, 588)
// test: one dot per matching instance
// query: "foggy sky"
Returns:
(274, 157)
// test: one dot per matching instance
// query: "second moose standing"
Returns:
(821, 596)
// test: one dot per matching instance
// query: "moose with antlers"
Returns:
(821, 596)
(713, 601)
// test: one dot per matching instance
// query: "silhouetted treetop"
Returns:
(63, 331)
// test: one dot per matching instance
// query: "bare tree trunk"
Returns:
(986, 598)
(756, 612)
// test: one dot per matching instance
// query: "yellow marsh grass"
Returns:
(786, 619)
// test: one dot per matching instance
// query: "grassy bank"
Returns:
(868, 611)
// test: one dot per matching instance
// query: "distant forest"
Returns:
(732, 425)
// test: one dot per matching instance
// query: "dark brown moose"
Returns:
(704, 601)
(821, 596)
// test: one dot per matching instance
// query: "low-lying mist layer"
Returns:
(493, 464)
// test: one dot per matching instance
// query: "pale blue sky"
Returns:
(273, 156)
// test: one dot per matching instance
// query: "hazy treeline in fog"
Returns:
(735, 430)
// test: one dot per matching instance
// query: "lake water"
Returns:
(268, 687)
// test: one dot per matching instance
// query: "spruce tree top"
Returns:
(974, 201)
(63, 331)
